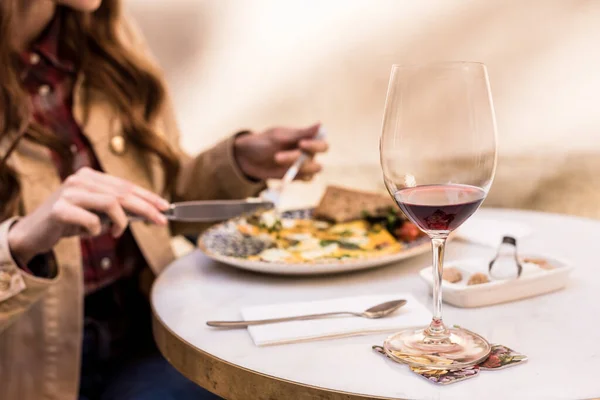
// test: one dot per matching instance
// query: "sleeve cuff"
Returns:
(229, 174)
(11, 278)
(42, 266)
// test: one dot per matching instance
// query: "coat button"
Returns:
(44, 90)
(34, 59)
(117, 144)
(105, 263)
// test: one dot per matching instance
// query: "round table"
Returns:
(558, 331)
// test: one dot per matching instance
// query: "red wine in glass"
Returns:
(439, 208)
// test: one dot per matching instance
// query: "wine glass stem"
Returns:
(437, 328)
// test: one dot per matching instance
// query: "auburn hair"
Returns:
(130, 83)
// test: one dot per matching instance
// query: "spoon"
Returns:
(378, 311)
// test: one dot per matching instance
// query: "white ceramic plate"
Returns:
(532, 282)
(223, 243)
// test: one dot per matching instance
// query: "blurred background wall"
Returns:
(235, 64)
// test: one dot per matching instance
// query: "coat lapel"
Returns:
(100, 124)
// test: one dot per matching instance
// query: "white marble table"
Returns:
(559, 331)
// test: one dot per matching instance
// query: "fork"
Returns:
(273, 194)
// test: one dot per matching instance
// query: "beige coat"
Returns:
(41, 319)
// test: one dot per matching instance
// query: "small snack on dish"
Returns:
(540, 262)
(478, 278)
(451, 275)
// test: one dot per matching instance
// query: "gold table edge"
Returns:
(232, 381)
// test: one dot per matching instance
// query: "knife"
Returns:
(204, 211)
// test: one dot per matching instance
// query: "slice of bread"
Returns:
(340, 204)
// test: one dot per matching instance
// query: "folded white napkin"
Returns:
(412, 313)
(489, 232)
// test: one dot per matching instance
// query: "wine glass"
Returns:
(438, 155)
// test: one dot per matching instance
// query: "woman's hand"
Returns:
(72, 211)
(269, 154)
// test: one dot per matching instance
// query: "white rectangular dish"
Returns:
(534, 281)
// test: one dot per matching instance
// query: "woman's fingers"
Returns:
(134, 199)
(73, 216)
(309, 169)
(291, 136)
(310, 147)
(305, 178)
(130, 201)
(287, 158)
(139, 206)
(314, 146)
(104, 203)
(121, 187)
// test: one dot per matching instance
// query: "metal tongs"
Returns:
(506, 242)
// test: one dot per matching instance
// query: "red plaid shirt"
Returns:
(49, 79)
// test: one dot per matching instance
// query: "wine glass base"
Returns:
(461, 349)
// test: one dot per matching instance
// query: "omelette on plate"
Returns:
(345, 225)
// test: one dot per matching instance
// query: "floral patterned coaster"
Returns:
(500, 357)
(444, 376)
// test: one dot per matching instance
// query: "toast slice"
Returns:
(340, 204)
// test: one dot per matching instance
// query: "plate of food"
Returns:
(348, 230)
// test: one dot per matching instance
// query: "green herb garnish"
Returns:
(343, 245)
